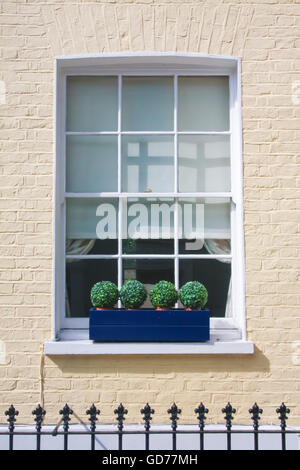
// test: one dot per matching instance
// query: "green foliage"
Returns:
(163, 295)
(129, 246)
(104, 294)
(193, 295)
(133, 294)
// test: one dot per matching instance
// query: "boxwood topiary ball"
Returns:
(193, 295)
(163, 295)
(133, 294)
(104, 294)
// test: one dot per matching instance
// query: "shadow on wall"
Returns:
(159, 380)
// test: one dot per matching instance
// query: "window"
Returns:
(148, 180)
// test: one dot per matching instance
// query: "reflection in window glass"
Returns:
(147, 163)
(204, 163)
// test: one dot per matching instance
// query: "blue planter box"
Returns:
(149, 325)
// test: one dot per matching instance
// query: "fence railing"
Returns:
(90, 429)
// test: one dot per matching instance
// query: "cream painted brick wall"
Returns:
(265, 33)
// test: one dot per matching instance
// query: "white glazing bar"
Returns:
(92, 133)
(92, 256)
(91, 195)
(120, 215)
(148, 133)
(204, 133)
(175, 134)
(119, 131)
(120, 246)
(150, 256)
(176, 261)
(147, 195)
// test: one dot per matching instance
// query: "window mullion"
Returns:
(120, 215)
(176, 260)
(119, 131)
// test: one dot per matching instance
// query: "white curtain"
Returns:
(221, 247)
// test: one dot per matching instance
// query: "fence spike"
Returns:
(147, 411)
(11, 413)
(229, 411)
(174, 411)
(39, 414)
(255, 411)
(283, 411)
(93, 412)
(201, 411)
(121, 412)
(66, 412)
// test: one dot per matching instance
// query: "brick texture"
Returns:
(265, 33)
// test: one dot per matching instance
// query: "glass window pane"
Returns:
(92, 104)
(147, 104)
(91, 246)
(81, 275)
(204, 163)
(148, 225)
(147, 247)
(92, 219)
(92, 163)
(203, 104)
(215, 275)
(149, 272)
(204, 226)
(147, 163)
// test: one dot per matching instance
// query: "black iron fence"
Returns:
(63, 426)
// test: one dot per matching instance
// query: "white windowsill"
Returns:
(86, 347)
(225, 338)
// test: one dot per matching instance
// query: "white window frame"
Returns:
(222, 329)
